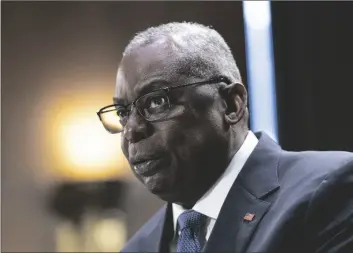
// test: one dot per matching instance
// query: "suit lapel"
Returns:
(257, 180)
(160, 236)
(231, 232)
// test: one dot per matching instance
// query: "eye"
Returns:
(157, 102)
(122, 112)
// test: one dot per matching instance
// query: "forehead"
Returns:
(148, 68)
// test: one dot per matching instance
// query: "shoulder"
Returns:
(312, 166)
(329, 215)
(134, 244)
(321, 184)
(335, 189)
(308, 178)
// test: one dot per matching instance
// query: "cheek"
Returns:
(184, 144)
(195, 142)
(124, 146)
(192, 132)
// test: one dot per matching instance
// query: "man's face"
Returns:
(177, 158)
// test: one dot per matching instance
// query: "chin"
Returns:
(159, 185)
(164, 191)
(174, 195)
(165, 196)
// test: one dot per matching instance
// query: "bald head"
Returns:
(202, 52)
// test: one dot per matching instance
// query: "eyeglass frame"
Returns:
(213, 80)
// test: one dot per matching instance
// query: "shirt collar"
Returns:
(211, 202)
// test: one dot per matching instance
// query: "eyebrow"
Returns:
(151, 86)
(145, 88)
(118, 101)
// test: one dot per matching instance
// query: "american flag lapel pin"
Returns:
(249, 216)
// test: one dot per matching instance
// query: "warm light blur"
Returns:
(87, 144)
(82, 148)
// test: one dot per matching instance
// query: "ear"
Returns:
(236, 98)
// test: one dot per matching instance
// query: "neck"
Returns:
(237, 138)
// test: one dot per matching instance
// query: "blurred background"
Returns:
(65, 185)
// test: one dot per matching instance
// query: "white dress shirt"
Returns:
(212, 201)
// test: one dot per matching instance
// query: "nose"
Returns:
(136, 128)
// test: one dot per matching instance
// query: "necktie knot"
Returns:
(191, 220)
(190, 226)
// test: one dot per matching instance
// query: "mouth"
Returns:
(147, 167)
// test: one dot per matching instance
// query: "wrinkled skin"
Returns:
(193, 148)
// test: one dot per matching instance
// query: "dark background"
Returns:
(313, 45)
(47, 47)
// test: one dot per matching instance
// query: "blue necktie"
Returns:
(190, 224)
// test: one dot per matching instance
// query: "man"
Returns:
(181, 108)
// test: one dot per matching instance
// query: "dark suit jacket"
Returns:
(302, 201)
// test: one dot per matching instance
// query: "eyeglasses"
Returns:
(152, 106)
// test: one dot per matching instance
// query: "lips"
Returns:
(142, 159)
(147, 167)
